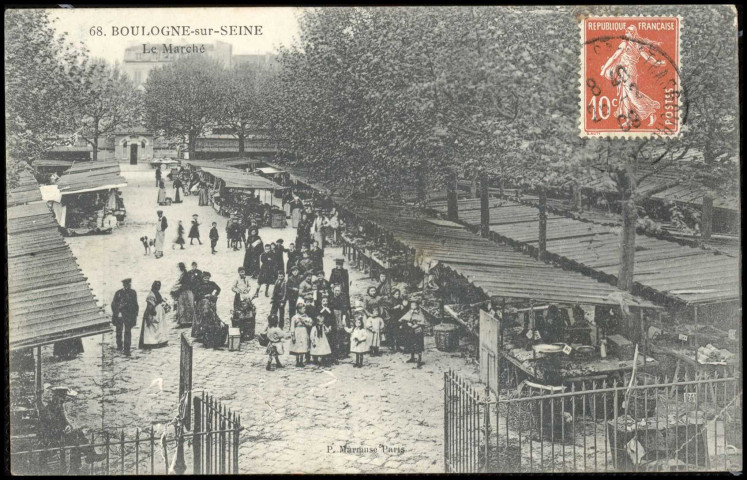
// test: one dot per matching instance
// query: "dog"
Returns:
(147, 243)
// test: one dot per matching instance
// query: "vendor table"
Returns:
(361, 257)
(574, 370)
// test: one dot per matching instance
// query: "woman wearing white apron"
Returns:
(153, 332)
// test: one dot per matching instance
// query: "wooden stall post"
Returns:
(627, 246)
(452, 204)
(39, 385)
(706, 218)
(484, 206)
(542, 247)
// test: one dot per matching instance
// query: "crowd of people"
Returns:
(323, 323)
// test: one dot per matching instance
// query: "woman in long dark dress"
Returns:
(254, 248)
(177, 186)
(194, 230)
(267, 270)
(185, 299)
(206, 295)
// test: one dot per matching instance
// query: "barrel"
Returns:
(447, 337)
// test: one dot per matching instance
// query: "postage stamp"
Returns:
(630, 77)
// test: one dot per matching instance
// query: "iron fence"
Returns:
(466, 426)
(217, 429)
(662, 426)
(212, 448)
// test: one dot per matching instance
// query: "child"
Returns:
(179, 236)
(300, 335)
(320, 351)
(358, 339)
(275, 336)
(213, 238)
(194, 230)
(374, 326)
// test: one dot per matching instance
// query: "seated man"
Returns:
(56, 429)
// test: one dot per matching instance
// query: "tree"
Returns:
(37, 84)
(183, 97)
(103, 100)
(245, 100)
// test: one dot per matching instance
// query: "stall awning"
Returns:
(27, 190)
(270, 170)
(497, 270)
(91, 177)
(685, 274)
(48, 297)
(235, 178)
(52, 162)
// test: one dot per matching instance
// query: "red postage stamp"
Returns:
(630, 77)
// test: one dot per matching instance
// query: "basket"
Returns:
(447, 337)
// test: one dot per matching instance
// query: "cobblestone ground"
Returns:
(296, 420)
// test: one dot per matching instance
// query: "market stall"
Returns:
(49, 301)
(236, 192)
(86, 199)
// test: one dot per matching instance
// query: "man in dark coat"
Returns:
(267, 270)
(293, 257)
(339, 276)
(279, 251)
(293, 285)
(193, 279)
(279, 297)
(317, 256)
(158, 175)
(124, 315)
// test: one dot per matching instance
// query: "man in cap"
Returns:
(339, 276)
(57, 429)
(340, 305)
(124, 315)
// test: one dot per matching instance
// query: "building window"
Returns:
(124, 144)
(137, 77)
(143, 143)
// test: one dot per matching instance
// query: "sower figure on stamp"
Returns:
(124, 315)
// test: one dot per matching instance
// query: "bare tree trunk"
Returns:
(484, 206)
(192, 140)
(452, 204)
(542, 246)
(627, 245)
(420, 183)
(577, 202)
(706, 218)
(242, 137)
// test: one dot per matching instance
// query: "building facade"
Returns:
(139, 61)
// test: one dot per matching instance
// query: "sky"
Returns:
(278, 27)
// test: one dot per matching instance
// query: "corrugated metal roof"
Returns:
(91, 176)
(52, 162)
(224, 162)
(498, 270)
(27, 190)
(687, 274)
(48, 297)
(235, 178)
